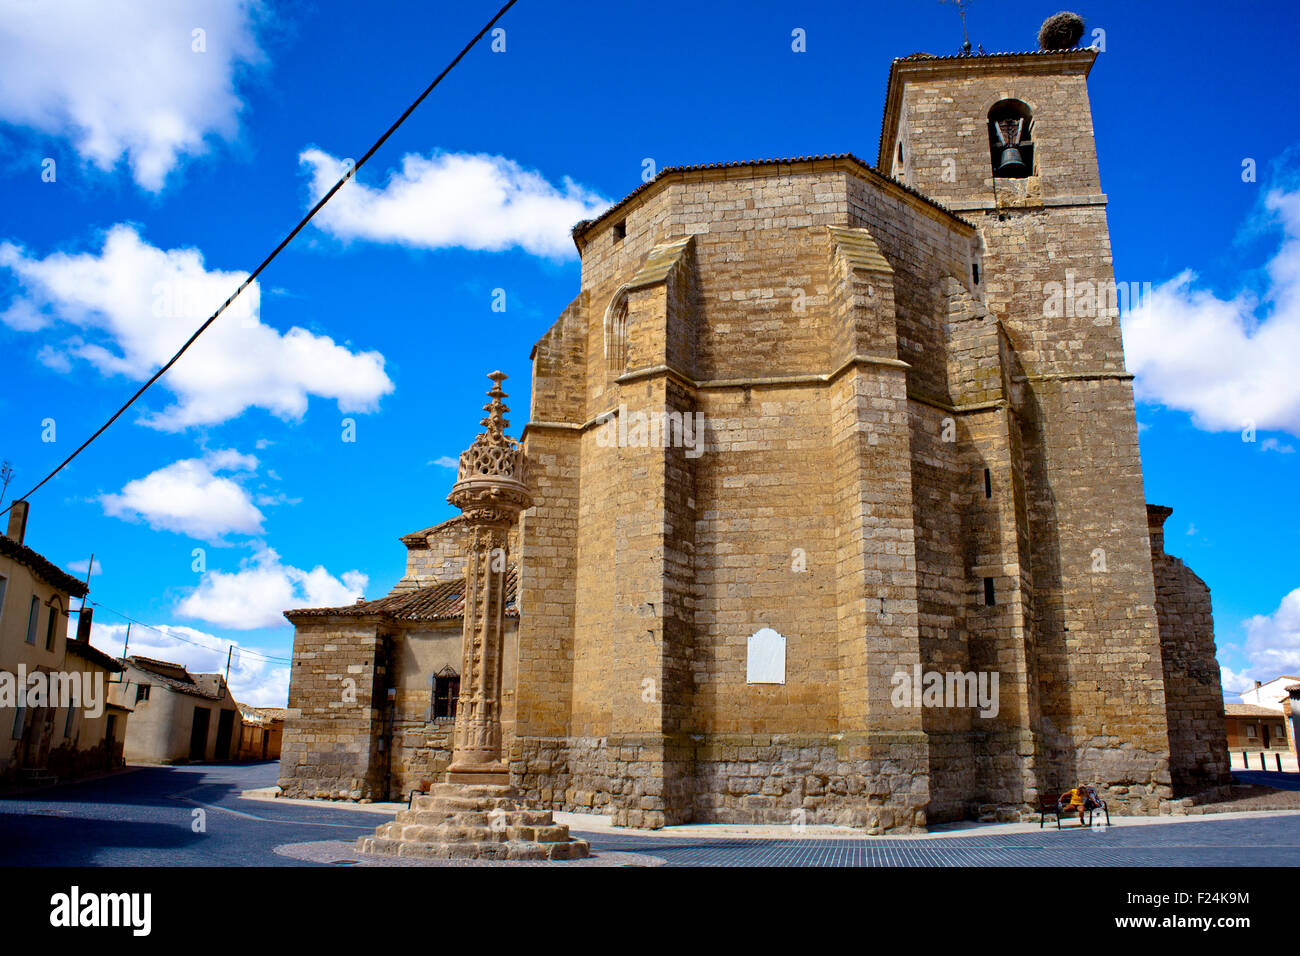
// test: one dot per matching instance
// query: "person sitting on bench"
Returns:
(1081, 800)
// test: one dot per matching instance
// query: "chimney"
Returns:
(1258, 684)
(83, 623)
(17, 521)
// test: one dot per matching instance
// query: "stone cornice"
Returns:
(957, 409)
(1054, 202)
(1074, 377)
(771, 381)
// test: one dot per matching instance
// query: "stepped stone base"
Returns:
(457, 821)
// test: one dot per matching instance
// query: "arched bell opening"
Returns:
(1011, 140)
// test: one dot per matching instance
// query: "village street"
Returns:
(195, 816)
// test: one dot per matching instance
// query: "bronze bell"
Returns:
(1011, 163)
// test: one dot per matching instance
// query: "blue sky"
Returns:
(176, 169)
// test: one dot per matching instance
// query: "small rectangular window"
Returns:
(33, 613)
(620, 231)
(988, 592)
(1250, 731)
(4, 585)
(20, 718)
(975, 272)
(142, 692)
(988, 484)
(67, 724)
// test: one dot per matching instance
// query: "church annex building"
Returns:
(808, 426)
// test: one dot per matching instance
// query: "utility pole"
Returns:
(228, 653)
(126, 643)
(90, 568)
(6, 473)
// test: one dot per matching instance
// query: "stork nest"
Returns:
(1062, 31)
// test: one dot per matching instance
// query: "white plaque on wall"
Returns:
(765, 663)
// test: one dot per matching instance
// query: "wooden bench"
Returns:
(1060, 806)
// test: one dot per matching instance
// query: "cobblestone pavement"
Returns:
(148, 817)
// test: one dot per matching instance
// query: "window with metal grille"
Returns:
(446, 688)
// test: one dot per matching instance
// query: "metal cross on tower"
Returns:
(961, 6)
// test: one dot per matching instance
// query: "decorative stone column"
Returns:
(475, 813)
(491, 489)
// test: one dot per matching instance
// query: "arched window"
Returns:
(616, 332)
(56, 608)
(1011, 141)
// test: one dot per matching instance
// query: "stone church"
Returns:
(811, 433)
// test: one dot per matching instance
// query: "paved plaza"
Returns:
(198, 816)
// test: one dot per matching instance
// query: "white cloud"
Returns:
(253, 681)
(1273, 640)
(260, 592)
(445, 462)
(474, 201)
(79, 567)
(123, 80)
(191, 497)
(141, 303)
(1216, 358)
(1234, 682)
(53, 359)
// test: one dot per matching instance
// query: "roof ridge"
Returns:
(583, 227)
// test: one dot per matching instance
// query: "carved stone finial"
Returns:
(496, 423)
(492, 480)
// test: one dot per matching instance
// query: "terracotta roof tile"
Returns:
(174, 676)
(438, 602)
(1250, 710)
(42, 567)
(95, 656)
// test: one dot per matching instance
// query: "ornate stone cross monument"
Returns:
(491, 490)
(475, 813)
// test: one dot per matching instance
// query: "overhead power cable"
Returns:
(276, 251)
(175, 637)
